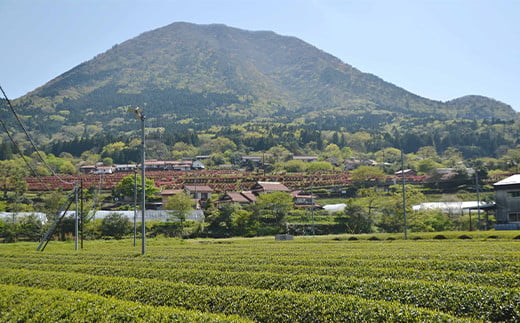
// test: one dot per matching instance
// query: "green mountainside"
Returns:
(202, 75)
(198, 77)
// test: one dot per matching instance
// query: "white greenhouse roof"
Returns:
(335, 207)
(448, 206)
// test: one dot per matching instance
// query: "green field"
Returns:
(310, 279)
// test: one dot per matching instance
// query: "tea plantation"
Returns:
(309, 279)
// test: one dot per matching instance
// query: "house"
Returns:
(125, 167)
(353, 163)
(268, 187)
(87, 169)
(244, 197)
(165, 194)
(197, 164)
(249, 195)
(507, 197)
(407, 172)
(304, 200)
(154, 164)
(449, 173)
(306, 158)
(104, 170)
(198, 192)
(255, 159)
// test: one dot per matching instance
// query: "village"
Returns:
(231, 185)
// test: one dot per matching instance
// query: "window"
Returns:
(514, 217)
(514, 194)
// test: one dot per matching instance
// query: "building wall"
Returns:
(508, 204)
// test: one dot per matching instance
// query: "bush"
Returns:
(115, 225)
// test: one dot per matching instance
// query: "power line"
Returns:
(19, 151)
(30, 138)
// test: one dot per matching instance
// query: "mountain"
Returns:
(189, 76)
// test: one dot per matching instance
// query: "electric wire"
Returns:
(37, 151)
(19, 151)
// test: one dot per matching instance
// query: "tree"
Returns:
(294, 166)
(512, 159)
(389, 155)
(274, 206)
(219, 144)
(427, 166)
(333, 153)
(428, 152)
(219, 220)
(12, 176)
(115, 225)
(355, 220)
(392, 217)
(429, 221)
(67, 168)
(367, 174)
(10, 231)
(31, 227)
(107, 161)
(452, 156)
(243, 223)
(179, 205)
(277, 154)
(113, 148)
(125, 188)
(369, 198)
(319, 166)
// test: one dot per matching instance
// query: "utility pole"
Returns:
(138, 114)
(312, 209)
(135, 205)
(82, 214)
(404, 194)
(143, 193)
(76, 218)
(478, 199)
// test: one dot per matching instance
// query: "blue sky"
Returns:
(439, 49)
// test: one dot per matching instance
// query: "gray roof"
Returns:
(511, 180)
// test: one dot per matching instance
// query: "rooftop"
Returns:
(511, 180)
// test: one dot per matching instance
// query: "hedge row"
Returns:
(502, 280)
(488, 303)
(258, 305)
(27, 304)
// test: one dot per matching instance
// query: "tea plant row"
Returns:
(256, 304)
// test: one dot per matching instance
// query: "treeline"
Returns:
(472, 139)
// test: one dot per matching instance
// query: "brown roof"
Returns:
(296, 193)
(198, 188)
(249, 195)
(272, 186)
(237, 197)
(170, 192)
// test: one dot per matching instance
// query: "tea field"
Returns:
(309, 279)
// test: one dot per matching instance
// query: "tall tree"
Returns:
(179, 205)
(125, 188)
(274, 207)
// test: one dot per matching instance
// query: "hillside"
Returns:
(189, 76)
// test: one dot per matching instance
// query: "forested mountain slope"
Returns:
(197, 76)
